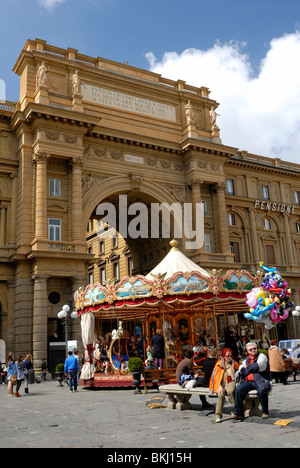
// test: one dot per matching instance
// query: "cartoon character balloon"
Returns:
(269, 303)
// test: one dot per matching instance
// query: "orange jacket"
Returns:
(218, 373)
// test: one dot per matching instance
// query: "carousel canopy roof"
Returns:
(174, 262)
(175, 282)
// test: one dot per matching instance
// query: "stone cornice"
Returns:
(34, 111)
(260, 167)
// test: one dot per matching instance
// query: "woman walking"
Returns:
(11, 374)
(20, 374)
(28, 370)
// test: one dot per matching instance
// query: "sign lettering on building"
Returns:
(128, 102)
(270, 206)
(134, 159)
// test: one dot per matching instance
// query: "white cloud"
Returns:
(258, 113)
(2, 90)
(50, 4)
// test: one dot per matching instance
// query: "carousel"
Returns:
(188, 303)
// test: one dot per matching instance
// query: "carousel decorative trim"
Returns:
(184, 287)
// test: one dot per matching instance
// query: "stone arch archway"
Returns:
(145, 252)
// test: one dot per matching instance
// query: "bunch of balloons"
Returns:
(270, 302)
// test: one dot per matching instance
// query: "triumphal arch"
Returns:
(88, 130)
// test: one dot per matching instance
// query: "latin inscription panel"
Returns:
(128, 102)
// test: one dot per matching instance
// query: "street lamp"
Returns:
(296, 312)
(63, 316)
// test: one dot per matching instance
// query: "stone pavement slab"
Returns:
(52, 417)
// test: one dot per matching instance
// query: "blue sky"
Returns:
(245, 51)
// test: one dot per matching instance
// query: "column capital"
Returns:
(220, 187)
(40, 277)
(196, 182)
(40, 157)
(76, 162)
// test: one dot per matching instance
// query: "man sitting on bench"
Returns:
(185, 373)
(255, 375)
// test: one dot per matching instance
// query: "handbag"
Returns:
(14, 379)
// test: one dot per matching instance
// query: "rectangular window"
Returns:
(102, 276)
(101, 247)
(265, 192)
(235, 249)
(129, 266)
(270, 251)
(229, 187)
(207, 242)
(298, 228)
(231, 219)
(204, 207)
(115, 241)
(267, 224)
(297, 197)
(91, 277)
(54, 187)
(115, 267)
(54, 229)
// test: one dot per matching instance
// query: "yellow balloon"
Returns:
(260, 294)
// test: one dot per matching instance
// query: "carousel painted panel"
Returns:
(94, 294)
(238, 281)
(133, 288)
(187, 283)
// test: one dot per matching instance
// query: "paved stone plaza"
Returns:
(52, 417)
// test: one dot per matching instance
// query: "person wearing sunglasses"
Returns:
(254, 374)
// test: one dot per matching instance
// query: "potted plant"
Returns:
(59, 373)
(135, 366)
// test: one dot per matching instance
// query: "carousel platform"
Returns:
(113, 380)
(109, 380)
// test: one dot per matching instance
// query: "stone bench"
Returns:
(179, 398)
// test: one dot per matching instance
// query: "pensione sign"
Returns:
(270, 206)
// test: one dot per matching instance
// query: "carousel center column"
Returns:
(41, 228)
(40, 320)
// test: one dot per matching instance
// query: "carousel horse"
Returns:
(170, 348)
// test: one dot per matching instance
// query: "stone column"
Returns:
(222, 218)
(40, 321)
(196, 197)
(10, 322)
(77, 227)
(3, 217)
(287, 240)
(253, 235)
(41, 225)
(12, 233)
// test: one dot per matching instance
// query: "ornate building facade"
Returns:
(87, 130)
